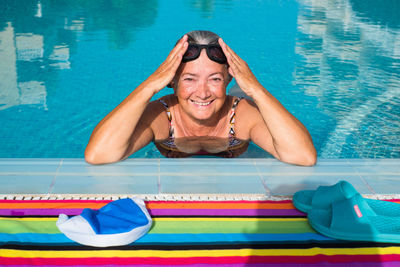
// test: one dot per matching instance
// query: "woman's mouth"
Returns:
(201, 103)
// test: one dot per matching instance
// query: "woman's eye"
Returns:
(188, 79)
(217, 79)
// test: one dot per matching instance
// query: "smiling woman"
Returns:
(199, 118)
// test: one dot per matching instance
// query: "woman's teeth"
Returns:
(201, 103)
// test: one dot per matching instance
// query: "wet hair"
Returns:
(202, 37)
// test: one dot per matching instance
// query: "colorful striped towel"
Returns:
(185, 233)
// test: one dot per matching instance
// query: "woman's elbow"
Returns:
(91, 157)
(306, 158)
(95, 158)
(309, 158)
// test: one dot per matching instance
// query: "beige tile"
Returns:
(136, 166)
(384, 184)
(207, 166)
(25, 184)
(281, 185)
(105, 184)
(198, 184)
(20, 166)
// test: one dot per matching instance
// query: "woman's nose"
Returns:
(203, 90)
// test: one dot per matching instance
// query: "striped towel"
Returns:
(185, 233)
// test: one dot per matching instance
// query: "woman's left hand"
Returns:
(239, 69)
(276, 130)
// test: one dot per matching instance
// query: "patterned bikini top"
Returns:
(236, 146)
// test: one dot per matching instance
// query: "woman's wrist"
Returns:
(258, 93)
(149, 88)
(141, 94)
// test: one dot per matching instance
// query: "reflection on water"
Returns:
(119, 18)
(350, 60)
(202, 145)
(28, 47)
(72, 60)
(207, 7)
(383, 14)
(42, 34)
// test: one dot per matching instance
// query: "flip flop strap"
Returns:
(325, 195)
(352, 216)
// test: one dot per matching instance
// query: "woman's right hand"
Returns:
(167, 70)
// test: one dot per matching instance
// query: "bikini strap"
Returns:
(171, 126)
(232, 116)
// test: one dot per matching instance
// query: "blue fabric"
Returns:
(119, 216)
(170, 238)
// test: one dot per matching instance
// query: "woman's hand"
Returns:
(166, 71)
(239, 69)
(276, 130)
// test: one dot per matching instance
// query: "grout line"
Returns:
(159, 177)
(53, 182)
(170, 197)
(325, 173)
(267, 190)
(146, 197)
(368, 186)
(362, 178)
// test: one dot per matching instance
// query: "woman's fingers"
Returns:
(175, 57)
(229, 52)
(232, 64)
(167, 70)
(236, 64)
(225, 49)
(231, 72)
(239, 69)
(179, 47)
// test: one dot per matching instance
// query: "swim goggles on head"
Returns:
(214, 52)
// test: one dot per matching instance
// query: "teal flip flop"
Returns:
(353, 219)
(324, 196)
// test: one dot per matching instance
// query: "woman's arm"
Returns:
(276, 130)
(124, 130)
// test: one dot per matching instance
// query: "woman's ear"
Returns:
(228, 75)
(171, 84)
(229, 79)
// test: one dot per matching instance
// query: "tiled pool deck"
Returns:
(191, 178)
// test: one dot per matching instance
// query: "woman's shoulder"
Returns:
(155, 110)
(161, 103)
(246, 116)
(155, 117)
(243, 104)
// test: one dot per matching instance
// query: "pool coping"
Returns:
(190, 178)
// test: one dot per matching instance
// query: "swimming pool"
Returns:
(64, 65)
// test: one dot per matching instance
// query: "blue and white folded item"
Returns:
(118, 223)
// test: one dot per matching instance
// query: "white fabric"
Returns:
(79, 230)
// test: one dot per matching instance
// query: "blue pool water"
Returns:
(334, 64)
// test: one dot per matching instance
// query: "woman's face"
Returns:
(200, 86)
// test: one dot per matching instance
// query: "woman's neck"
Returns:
(189, 126)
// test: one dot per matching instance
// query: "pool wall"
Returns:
(201, 179)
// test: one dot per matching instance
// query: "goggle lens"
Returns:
(192, 53)
(214, 52)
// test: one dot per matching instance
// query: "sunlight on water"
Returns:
(350, 62)
(335, 64)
